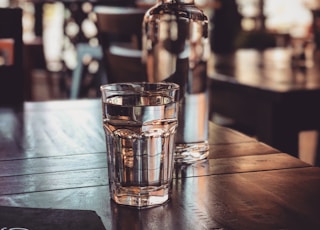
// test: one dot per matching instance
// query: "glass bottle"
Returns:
(176, 49)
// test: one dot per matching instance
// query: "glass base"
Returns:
(141, 197)
(191, 153)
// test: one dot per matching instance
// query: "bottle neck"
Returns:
(176, 1)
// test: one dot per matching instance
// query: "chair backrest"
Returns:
(120, 35)
(11, 50)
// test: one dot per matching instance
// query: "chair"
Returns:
(12, 84)
(120, 35)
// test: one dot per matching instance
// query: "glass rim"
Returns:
(113, 86)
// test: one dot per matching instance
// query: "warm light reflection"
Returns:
(284, 16)
(248, 24)
(53, 34)
(290, 16)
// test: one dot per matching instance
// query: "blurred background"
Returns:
(52, 31)
(59, 25)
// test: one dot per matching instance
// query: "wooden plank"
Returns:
(278, 199)
(53, 164)
(53, 181)
(240, 164)
(49, 174)
(223, 135)
(296, 189)
(240, 149)
(63, 132)
(59, 128)
(52, 129)
(98, 160)
(172, 215)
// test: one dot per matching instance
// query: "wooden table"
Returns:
(263, 92)
(52, 155)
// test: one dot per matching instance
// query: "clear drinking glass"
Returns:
(175, 49)
(140, 121)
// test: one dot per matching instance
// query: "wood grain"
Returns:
(52, 155)
(276, 104)
(255, 200)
